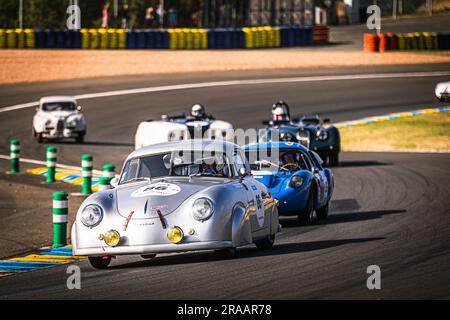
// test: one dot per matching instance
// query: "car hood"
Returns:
(144, 199)
(59, 114)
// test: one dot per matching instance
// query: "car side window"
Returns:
(239, 162)
(315, 161)
(130, 170)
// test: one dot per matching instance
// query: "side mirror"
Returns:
(37, 108)
(315, 171)
(79, 108)
(242, 173)
(114, 182)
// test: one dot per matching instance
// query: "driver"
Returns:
(199, 112)
(280, 111)
(208, 168)
(290, 161)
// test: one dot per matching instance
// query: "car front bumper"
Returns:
(154, 248)
(64, 134)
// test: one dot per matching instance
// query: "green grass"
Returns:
(429, 132)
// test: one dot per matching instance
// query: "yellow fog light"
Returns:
(175, 235)
(112, 238)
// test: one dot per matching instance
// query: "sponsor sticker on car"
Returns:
(158, 189)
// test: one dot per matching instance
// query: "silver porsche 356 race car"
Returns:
(179, 126)
(175, 197)
(59, 118)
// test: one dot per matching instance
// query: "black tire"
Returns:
(266, 243)
(333, 160)
(306, 216)
(100, 262)
(148, 256)
(228, 253)
(322, 213)
(39, 138)
(80, 138)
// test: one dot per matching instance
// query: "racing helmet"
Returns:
(280, 111)
(198, 111)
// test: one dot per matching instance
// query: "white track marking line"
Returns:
(44, 163)
(240, 83)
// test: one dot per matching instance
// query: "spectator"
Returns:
(173, 18)
(125, 16)
(160, 11)
(105, 15)
(150, 17)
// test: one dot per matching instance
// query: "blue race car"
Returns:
(294, 176)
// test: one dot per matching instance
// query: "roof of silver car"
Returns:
(58, 99)
(199, 144)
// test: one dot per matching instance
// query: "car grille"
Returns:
(60, 126)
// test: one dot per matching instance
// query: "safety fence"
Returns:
(175, 39)
(407, 41)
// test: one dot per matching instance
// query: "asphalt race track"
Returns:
(389, 209)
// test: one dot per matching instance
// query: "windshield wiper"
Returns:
(138, 179)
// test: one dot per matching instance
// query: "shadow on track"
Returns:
(244, 253)
(292, 222)
(91, 143)
(356, 164)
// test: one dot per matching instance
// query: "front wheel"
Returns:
(333, 160)
(100, 262)
(322, 213)
(266, 243)
(80, 138)
(306, 216)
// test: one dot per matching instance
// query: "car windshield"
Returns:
(59, 106)
(177, 164)
(286, 160)
(313, 121)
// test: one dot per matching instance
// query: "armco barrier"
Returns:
(176, 39)
(407, 41)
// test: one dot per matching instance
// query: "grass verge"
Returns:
(429, 133)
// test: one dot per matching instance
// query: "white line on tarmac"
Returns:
(240, 83)
(44, 163)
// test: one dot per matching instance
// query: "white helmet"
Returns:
(198, 111)
(280, 111)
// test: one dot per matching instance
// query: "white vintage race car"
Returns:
(442, 91)
(176, 197)
(59, 118)
(179, 126)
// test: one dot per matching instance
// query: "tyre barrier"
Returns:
(175, 39)
(321, 35)
(413, 41)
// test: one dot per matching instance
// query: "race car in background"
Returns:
(59, 118)
(176, 197)
(179, 126)
(442, 91)
(309, 130)
(294, 176)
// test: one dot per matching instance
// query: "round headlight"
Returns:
(92, 215)
(296, 181)
(322, 135)
(202, 209)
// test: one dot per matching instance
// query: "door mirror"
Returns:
(37, 108)
(79, 108)
(315, 170)
(114, 182)
(242, 172)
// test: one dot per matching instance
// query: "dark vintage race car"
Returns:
(310, 131)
